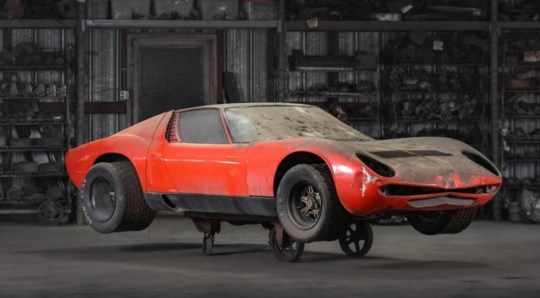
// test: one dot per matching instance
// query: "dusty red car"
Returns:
(299, 171)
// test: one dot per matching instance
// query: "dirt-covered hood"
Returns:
(433, 160)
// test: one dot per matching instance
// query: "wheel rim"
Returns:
(305, 205)
(102, 199)
(289, 250)
(356, 241)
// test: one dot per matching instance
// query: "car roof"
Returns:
(246, 104)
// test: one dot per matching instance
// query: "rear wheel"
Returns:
(442, 222)
(307, 204)
(112, 199)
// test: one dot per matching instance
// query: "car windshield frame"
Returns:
(258, 123)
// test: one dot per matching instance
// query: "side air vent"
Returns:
(481, 161)
(172, 129)
(377, 166)
(408, 153)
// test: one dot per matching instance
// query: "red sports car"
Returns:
(296, 169)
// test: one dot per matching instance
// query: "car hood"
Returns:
(441, 162)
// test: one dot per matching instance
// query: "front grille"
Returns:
(405, 190)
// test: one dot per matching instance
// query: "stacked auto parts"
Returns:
(34, 132)
(395, 10)
(520, 94)
(434, 85)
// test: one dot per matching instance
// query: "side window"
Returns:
(202, 127)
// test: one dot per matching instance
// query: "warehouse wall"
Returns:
(248, 54)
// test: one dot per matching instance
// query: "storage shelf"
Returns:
(33, 149)
(523, 159)
(455, 91)
(521, 186)
(518, 25)
(360, 119)
(438, 63)
(31, 68)
(36, 174)
(16, 98)
(38, 24)
(29, 200)
(468, 120)
(330, 69)
(390, 26)
(522, 116)
(521, 91)
(31, 122)
(333, 93)
(178, 24)
(522, 65)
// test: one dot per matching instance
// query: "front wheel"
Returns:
(307, 204)
(357, 239)
(442, 222)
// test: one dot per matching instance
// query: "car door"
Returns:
(203, 161)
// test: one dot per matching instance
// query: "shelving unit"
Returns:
(428, 98)
(520, 96)
(35, 126)
(350, 90)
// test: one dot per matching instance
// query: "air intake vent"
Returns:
(408, 153)
(377, 166)
(481, 161)
(172, 129)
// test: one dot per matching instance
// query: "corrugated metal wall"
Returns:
(103, 62)
(247, 54)
(317, 43)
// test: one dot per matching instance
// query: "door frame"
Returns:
(207, 43)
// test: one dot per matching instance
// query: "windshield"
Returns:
(260, 123)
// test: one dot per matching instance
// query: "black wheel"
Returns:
(442, 222)
(307, 204)
(208, 244)
(112, 199)
(289, 251)
(51, 213)
(357, 239)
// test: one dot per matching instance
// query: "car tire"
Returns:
(442, 222)
(320, 216)
(460, 221)
(112, 199)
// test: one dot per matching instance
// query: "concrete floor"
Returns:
(487, 260)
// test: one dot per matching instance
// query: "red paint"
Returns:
(249, 169)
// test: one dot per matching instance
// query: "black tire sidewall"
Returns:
(300, 174)
(110, 173)
(431, 227)
(368, 242)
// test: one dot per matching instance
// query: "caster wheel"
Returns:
(289, 251)
(208, 244)
(357, 239)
